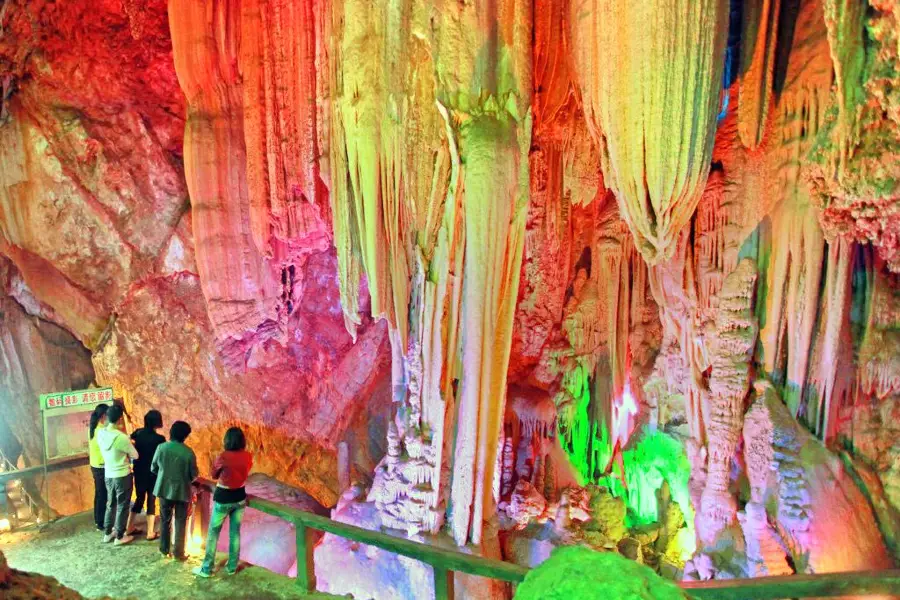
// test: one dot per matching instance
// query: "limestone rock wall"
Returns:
(197, 304)
(37, 357)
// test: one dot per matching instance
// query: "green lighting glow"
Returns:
(575, 573)
(589, 450)
(655, 458)
(652, 458)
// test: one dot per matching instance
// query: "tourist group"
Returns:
(153, 468)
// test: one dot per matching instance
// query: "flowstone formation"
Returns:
(502, 276)
(801, 497)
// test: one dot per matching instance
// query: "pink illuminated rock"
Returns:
(817, 506)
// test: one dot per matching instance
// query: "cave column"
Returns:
(429, 176)
(495, 204)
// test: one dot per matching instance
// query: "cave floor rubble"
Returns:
(70, 551)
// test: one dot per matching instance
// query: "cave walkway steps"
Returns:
(446, 562)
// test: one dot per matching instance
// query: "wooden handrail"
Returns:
(445, 562)
(825, 585)
(70, 462)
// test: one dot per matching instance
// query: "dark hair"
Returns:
(121, 404)
(99, 413)
(179, 431)
(153, 419)
(234, 439)
(114, 413)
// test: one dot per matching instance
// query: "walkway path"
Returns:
(70, 550)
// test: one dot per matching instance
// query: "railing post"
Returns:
(443, 584)
(203, 510)
(306, 570)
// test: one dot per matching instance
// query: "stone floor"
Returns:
(71, 551)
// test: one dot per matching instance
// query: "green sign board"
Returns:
(79, 398)
(65, 417)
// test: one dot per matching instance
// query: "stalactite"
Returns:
(586, 444)
(602, 321)
(793, 301)
(832, 343)
(251, 156)
(879, 353)
(758, 45)
(710, 232)
(846, 20)
(796, 261)
(494, 221)
(278, 74)
(240, 294)
(565, 174)
(855, 174)
(494, 137)
(673, 285)
(650, 75)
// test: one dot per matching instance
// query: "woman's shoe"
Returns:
(199, 572)
(130, 527)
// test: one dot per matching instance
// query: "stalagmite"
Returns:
(765, 556)
(729, 383)
(811, 501)
(650, 75)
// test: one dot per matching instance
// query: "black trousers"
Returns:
(99, 496)
(143, 489)
(180, 510)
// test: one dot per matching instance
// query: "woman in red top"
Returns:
(229, 500)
